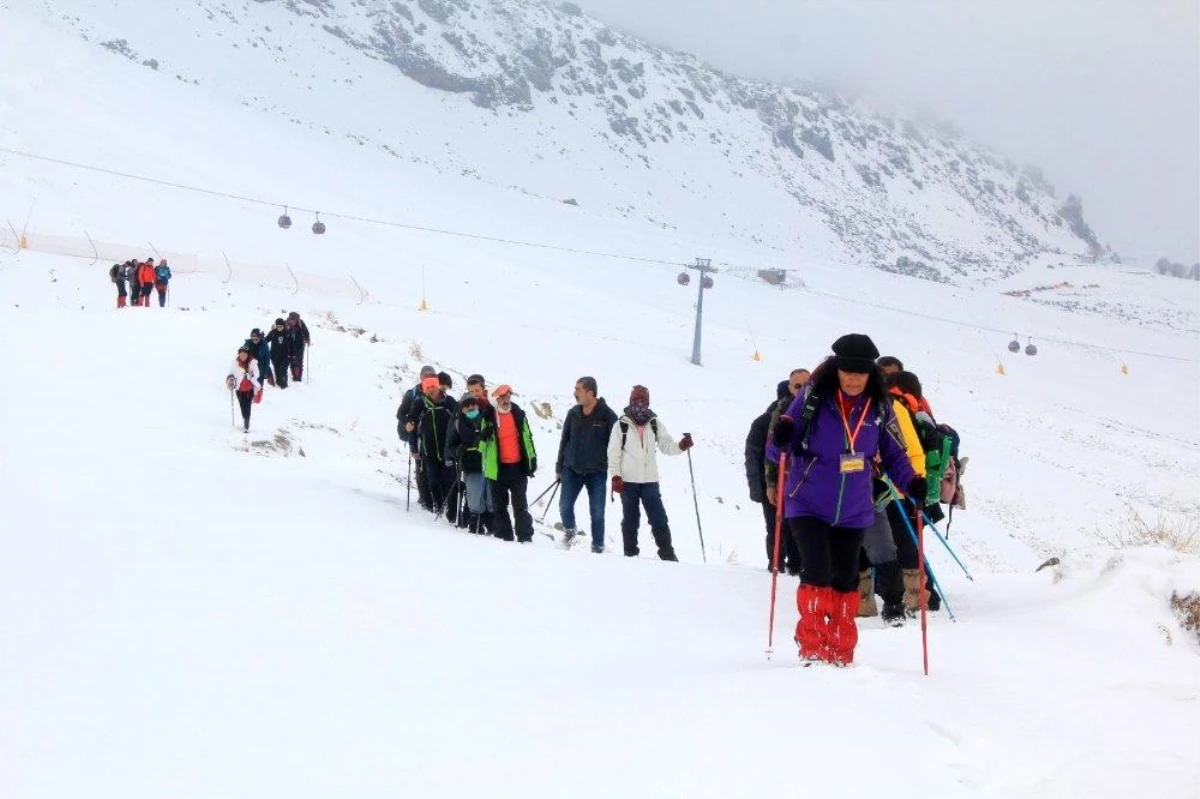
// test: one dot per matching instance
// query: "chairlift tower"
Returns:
(705, 268)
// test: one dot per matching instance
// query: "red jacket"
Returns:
(146, 274)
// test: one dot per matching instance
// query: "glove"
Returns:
(618, 485)
(686, 442)
(258, 396)
(230, 382)
(785, 428)
(449, 463)
(918, 489)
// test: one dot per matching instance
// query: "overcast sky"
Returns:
(1104, 95)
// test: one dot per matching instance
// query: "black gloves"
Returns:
(918, 489)
(785, 428)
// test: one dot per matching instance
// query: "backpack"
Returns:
(625, 430)
(112, 273)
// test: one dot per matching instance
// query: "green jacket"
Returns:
(491, 447)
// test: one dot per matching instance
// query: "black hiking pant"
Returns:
(439, 479)
(829, 554)
(280, 367)
(245, 402)
(511, 484)
(789, 553)
(634, 497)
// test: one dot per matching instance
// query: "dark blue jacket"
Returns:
(261, 353)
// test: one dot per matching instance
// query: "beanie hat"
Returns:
(279, 321)
(428, 371)
(430, 383)
(783, 390)
(255, 332)
(640, 394)
(502, 390)
(855, 352)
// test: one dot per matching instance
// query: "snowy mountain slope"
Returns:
(187, 610)
(550, 102)
(169, 624)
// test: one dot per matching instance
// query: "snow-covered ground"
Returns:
(186, 610)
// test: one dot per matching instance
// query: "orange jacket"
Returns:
(146, 274)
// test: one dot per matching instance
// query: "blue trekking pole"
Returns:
(946, 544)
(932, 577)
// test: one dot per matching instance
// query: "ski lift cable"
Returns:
(985, 328)
(560, 248)
(347, 217)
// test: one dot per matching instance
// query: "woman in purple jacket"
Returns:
(831, 435)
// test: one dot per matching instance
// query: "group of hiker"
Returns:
(268, 359)
(474, 457)
(847, 462)
(136, 280)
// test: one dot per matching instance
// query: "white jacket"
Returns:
(237, 372)
(636, 462)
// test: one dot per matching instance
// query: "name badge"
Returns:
(853, 462)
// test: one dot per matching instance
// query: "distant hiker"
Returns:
(509, 460)
(756, 478)
(833, 433)
(281, 344)
(301, 340)
(243, 379)
(257, 344)
(135, 285)
(118, 276)
(437, 410)
(409, 415)
(162, 278)
(466, 439)
(633, 445)
(145, 282)
(583, 459)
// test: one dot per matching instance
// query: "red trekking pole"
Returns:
(921, 585)
(775, 554)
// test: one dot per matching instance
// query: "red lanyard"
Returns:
(852, 437)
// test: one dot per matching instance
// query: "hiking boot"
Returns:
(912, 596)
(597, 549)
(893, 614)
(934, 603)
(867, 606)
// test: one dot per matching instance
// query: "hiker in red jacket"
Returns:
(146, 279)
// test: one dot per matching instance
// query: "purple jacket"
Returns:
(815, 484)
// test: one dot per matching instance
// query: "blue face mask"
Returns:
(471, 414)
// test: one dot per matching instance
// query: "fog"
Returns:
(1104, 95)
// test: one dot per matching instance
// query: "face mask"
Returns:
(471, 414)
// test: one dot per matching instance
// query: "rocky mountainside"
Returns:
(543, 99)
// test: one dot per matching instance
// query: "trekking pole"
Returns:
(549, 488)
(549, 502)
(408, 482)
(775, 553)
(232, 419)
(921, 586)
(928, 569)
(946, 544)
(307, 361)
(696, 502)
